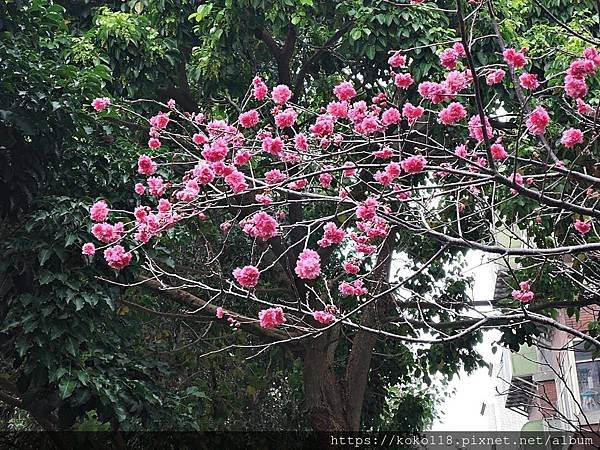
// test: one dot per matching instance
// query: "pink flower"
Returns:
(495, 77)
(117, 257)
(217, 151)
(351, 267)
(538, 121)
(325, 180)
(264, 199)
(413, 164)
(260, 225)
(286, 118)
(139, 188)
(461, 151)
(575, 87)
(367, 210)
(592, 54)
(242, 157)
(247, 276)
(476, 130)
(154, 143)
(397, 60)
(498, 152)
(385, 153)
(356, 288)
(452, 113)
(581, 68)
(390, 116)
(275, 176)
(459, 49)
(331, 235)
(338, 109)
(323, 317)
(159, 121)
(220, 312)
(107, 233)
(99, 211)
(412, 113)
(403, 80)
(271, 318)
(344, 91)
(273, 146)
(529, 81)
(571, 137)
(164, 205)
(146, 166)
(281, 94)
(583, 227)
(323, 126)
(249, 119)
(199, 139)
(308, 265)
(100, 103)
(260, 89)
(300, 142)
(584, 108)
(436, 92)
(156, 186)
(236, 181)
(515, 58)
(88, 249)
(448, 58)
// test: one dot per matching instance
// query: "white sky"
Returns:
(462, 410)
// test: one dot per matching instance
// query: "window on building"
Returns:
(588, 377)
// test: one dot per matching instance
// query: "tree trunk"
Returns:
(322, 390)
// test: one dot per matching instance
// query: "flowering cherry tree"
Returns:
(326, 201)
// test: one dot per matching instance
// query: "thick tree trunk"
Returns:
(322, 390)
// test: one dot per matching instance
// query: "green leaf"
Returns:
(66, 387)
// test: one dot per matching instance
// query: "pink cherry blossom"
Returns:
(323, 317)
(583, 227)
(529, 81)
(412, 113)
(260, 225)
(476, 130)
(537, 121)
(99, 211)
(117, 257)
(498, 152)
(247, 276)
(281, 94)
(515, 58)
(249, 119)
(403, 80)
(397, 60)
(308, 265)
(100, 103)
(351, 267)
(220, 313)
(452, 113)
(413, 164)
(275, 176)
(286, 118)
(495, 77)
(344, 91)
(575, 87)
(260, 89)
(271, 317)
(331, 235)
(139, 188)
(448, 58)
(154, 143)
(571, 137)
(88, 249)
